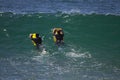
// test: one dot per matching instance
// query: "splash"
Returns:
(77, 54)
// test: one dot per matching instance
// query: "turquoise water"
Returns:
(91, 50)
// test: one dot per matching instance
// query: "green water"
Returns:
(91, 51)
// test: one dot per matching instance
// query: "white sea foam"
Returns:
(44, 51)
(40, 55)
(72, 11)
(6, 33)
(67, 20)
(77, 54)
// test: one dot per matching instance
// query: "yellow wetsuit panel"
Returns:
(33, 43)
(54, 38)
(34, 35)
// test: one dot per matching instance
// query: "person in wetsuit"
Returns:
(36, 39)
(58, 35)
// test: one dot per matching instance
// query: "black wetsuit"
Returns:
(59, 37)
(37, 40)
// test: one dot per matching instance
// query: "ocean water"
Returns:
(92, 40)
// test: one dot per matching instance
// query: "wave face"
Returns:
(69, 6)
(91, 50)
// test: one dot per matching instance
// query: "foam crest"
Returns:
(72, 11)
(77, 54)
